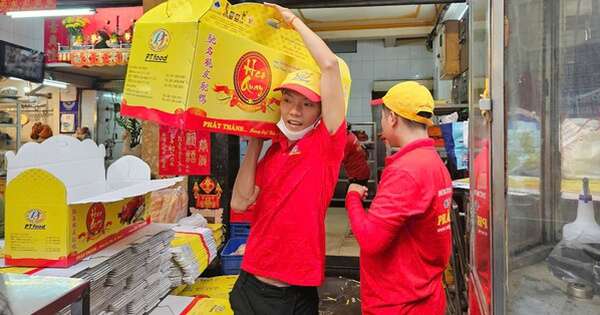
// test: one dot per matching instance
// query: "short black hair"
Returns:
(409, 123)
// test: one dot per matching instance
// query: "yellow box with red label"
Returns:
(210, 65)
(62, 205)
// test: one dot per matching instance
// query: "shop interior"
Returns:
(516, 92)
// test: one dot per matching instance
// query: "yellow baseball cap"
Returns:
(305, 82)
(409, 100)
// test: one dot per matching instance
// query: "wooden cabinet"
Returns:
(463, 40)
(449, 50)
(2, 186)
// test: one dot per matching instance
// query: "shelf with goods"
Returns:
(96, 46)
(442, 132)
(10, 124)
(90, 67)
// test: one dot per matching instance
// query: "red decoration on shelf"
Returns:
(207, 194)
(26, 5)
(95, 57)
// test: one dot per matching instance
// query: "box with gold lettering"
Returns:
(206, 64)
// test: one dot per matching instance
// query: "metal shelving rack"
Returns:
(17, 120)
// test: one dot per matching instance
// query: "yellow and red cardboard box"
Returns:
(206, 64)
(61, 204)
(199, 305)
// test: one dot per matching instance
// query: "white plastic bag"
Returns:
(195, 219)
(580, 148)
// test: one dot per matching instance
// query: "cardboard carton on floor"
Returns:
(211, 65)
(61, 204)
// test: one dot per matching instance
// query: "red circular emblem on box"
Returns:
(96, 217)
(252, 78)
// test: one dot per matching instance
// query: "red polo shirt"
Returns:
(355, 159)
(404, 238)
(287, 239)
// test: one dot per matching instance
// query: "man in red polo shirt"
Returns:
(404, 238)
(290, 189)
(355, 160)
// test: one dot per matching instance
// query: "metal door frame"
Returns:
(499, 241)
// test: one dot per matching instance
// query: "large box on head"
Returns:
(210, 65)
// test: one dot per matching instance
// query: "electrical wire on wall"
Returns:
(108, 131)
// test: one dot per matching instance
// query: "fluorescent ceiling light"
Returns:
(53, 83)
(58, 12)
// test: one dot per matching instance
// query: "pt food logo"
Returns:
(95, 220)
(35, 217)
(159, 40)
(252, 78)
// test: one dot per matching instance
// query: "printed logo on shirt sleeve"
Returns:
(444, 204)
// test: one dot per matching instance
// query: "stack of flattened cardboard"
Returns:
(128, 277)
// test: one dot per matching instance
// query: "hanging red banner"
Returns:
(54, 34)
(183, 152)
(26, 5)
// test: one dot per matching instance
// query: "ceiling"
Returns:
(286, 3)
(394, 21)
(339, 19)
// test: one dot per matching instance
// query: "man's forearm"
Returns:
(244, 186)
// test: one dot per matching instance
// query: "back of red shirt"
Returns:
(413, 205)
(355, 159)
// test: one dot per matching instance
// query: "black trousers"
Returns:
(251, 296)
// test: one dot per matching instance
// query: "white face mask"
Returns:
(294, 135)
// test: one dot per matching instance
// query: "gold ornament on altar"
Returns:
(207, 194)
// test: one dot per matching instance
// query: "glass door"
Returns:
(480, 138)
(552, 90)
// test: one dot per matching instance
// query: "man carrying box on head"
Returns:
(404, 238)
(291, 188)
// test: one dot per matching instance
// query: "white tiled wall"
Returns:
(28, 32)
(374, 62)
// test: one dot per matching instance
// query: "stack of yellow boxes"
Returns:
(209, 294)
(215, 287)
(195, 243)
(218, 233)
